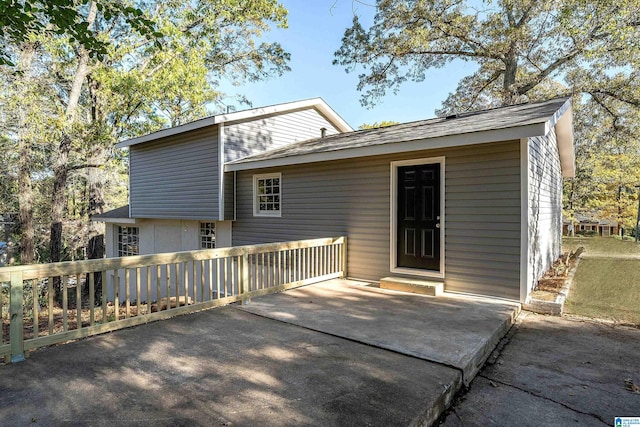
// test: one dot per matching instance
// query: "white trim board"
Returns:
(524, 219)
(221, 171)
(116, 220)
(394, 213)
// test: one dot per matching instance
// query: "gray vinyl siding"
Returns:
(229, 198)
(251, 137)
(545, 205)
(352, 198)
(176, 178)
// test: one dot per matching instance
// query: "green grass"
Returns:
(601, 245)
(605, 288)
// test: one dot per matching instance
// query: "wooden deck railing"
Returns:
(45, 304)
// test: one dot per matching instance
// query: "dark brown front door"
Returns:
(418, 232)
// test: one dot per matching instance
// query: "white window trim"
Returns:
(256, 211)
(394, 218)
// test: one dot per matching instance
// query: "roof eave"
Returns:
(447, 141)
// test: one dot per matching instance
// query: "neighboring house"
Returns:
(473, 200)
(601, 227)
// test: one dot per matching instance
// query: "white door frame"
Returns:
(394, 220)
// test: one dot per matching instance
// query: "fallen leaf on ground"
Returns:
(631, 386)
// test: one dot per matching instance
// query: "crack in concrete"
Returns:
(590, 414)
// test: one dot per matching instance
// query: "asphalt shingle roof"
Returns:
(117, 213)
(485, 120)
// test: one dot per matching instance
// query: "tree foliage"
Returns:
(520, 47)
(63, 111)
(22, 20)
(375, 125)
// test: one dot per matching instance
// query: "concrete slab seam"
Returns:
(433, 413)
(356, 341)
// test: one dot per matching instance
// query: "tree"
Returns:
(520, 47)
(607, 168)
(525, 50)
(375, 125)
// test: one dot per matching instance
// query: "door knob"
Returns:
(438, 225)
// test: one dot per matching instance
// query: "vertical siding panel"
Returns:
(352, 198)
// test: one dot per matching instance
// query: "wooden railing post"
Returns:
(16, 331)
(344, 257)
(243, 285)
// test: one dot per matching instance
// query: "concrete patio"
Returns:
(335, 353)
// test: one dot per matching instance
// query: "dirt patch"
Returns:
(45, 327)
(544, 295)
(552, 282)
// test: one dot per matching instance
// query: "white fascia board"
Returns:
(115, 220)
(459, 140)
(565, 140)
(332, 116)
(251, 114)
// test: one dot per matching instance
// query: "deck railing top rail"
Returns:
(35, 271)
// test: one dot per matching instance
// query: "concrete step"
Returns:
(416, 286)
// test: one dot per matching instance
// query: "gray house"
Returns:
(472, 200)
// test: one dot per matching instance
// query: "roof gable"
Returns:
(245, 115)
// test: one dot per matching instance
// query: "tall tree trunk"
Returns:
(25, 202)
(94, 184)
(60, 167)
(58, 199)
(25, 187)
(95, 178)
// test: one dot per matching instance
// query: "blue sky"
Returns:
(315, 31)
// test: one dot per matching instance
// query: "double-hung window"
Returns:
(128, 241)
(267, 194)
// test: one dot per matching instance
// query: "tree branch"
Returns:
(77, 167)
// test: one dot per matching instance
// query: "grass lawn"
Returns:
(601, 245)
(605, 288)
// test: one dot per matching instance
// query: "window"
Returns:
(267, 191)
(128, 241)
(208, 235)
